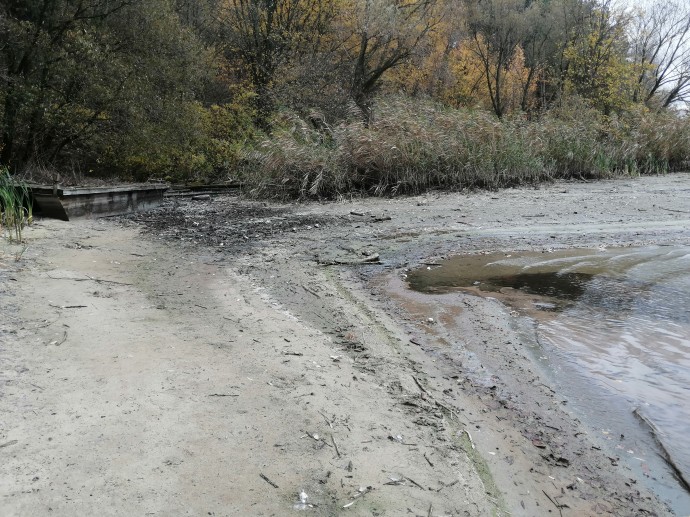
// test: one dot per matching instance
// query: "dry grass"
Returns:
(413, 146)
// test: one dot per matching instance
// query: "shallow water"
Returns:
(623, 315)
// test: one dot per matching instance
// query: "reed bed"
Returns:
(411, 146)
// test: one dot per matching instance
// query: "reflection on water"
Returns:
(624, 314)
(549, 283)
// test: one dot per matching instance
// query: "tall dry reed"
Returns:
(410, 146)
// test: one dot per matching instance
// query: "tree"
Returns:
(264, 35)
(497, 29)
(42, 40)
(660, 47)
(377, 36)
(598, 68)
(97, 84)
(428, 71)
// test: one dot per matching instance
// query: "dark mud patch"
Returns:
(226, 222)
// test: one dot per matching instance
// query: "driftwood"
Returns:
(88, 278)
(371, 259)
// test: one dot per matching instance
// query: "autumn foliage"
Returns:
(324, 97)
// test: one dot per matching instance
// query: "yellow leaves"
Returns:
(601, 74)
(520, 87)
(469, 83)
(480, 76)
(461, 74)
(598, 66)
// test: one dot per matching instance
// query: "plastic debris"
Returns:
(303, 504)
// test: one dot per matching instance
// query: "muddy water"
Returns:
(621, 315)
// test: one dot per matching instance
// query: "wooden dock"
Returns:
(68, 203)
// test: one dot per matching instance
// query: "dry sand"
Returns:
(238, 358)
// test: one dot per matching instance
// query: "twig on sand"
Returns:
(315, 436)
(431, 508)
(374, 259)
(68, 306)
(428, 460)
(559, 506)
(262, 476)
(443, 406)
(101, 281)
(439, 404)
(419, 385)
(335, 445)
(330, 423)
(414, 483)
(98, 280)
(672, 210)
(311, 292)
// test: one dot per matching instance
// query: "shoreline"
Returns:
(192, 351)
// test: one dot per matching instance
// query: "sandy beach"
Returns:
(234, 357)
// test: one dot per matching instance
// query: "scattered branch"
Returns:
(558, 506)
(335, 445)
(262, 476)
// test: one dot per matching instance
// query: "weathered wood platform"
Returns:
(75, 202)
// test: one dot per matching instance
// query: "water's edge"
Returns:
(628, 385)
